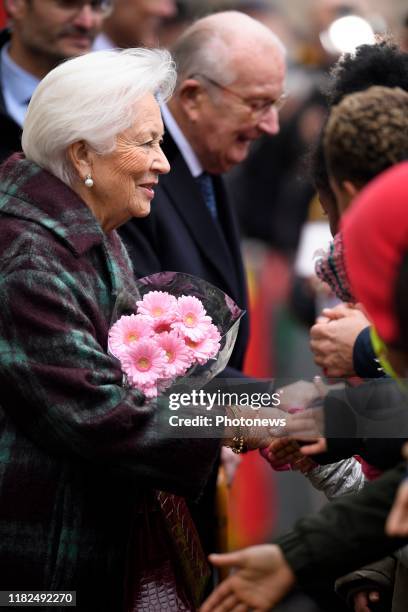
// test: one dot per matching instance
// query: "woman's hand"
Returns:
(262, 578)
(255, 436)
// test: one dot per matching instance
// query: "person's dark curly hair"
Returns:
(366, 133)
(381, 64)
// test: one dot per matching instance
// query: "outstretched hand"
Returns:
(262, 578)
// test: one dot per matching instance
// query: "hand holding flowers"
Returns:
(179, 326)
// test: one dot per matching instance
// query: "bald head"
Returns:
(227, 23)
(218, 45)
(231, 72)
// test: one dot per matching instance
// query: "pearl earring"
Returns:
(89, 181)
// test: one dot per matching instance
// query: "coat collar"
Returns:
(29, 192)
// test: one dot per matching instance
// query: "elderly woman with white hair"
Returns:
(83, 460)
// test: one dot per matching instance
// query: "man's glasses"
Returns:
(257, 108)
(97, 6)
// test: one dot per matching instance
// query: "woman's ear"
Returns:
(80, 157)
(190, 95)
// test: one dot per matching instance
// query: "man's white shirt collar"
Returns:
(181, 141)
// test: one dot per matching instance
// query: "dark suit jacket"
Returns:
(10, 140)
(180, 235)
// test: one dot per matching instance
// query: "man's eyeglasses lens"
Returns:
(256, 107)
(263, 107)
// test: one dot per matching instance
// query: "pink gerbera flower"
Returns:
(159, 306)
(208, 347)
(126, 331)
(178, 355)
(192, 320)
(144, 362)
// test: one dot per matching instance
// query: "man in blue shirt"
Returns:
(42, 34)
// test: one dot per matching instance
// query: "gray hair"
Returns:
(92, 98)
(209, 46)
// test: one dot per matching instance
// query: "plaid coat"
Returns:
(80, 456)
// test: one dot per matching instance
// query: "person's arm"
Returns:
(372, 583)
(337, 479)
(65, 392)
(346, 534)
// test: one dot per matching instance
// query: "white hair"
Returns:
(209, 46)
(92, 98)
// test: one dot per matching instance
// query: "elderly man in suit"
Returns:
(231, 72)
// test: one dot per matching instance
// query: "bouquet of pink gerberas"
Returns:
(180, 328)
